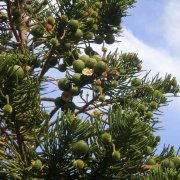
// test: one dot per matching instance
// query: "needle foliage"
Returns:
(68, 111)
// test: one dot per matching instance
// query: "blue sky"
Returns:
(152, 30)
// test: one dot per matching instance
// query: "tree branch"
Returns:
(47, 99)
(10, 20)
(45, 67)
(19, 137)
(86, 105)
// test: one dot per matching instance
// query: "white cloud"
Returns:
(171, 23)
(156, 60)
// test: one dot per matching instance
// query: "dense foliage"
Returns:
(98, 119)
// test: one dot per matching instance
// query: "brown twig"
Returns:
(86, 105)
(47, 99)
(98, 105)
(19, 137)
(53, 112)
(11, 21)
(45, 67)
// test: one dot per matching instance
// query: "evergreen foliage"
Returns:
(110, 134)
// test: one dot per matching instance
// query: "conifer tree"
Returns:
(101, 121)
